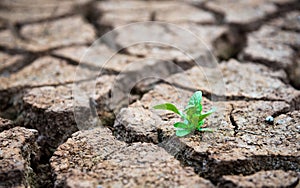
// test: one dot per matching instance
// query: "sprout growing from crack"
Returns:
(192, 116)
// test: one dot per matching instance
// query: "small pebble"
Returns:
(270, 119)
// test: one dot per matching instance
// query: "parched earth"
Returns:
(77, 112)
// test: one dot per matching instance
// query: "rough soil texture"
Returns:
(274, 178)
(118, 13)
(5, 124)
(109, 162)
(76, 103)
(244, 13)
(17, 151)
(33, 35)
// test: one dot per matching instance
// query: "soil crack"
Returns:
(236, 127)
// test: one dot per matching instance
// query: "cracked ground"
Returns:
(256, 44)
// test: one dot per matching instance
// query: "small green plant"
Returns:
(193, 119)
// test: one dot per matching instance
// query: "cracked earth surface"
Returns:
(41, 48)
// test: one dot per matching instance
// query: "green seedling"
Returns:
(192, 116)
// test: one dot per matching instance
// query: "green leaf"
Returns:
(194, 120)
(182, 132)
(194, 105)
(202, 116)
(200, 123)
(168, 106)
(191, 108)
(190, 112)
(185, 121)
(206, 130)
(196, 99)
(180, 125)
